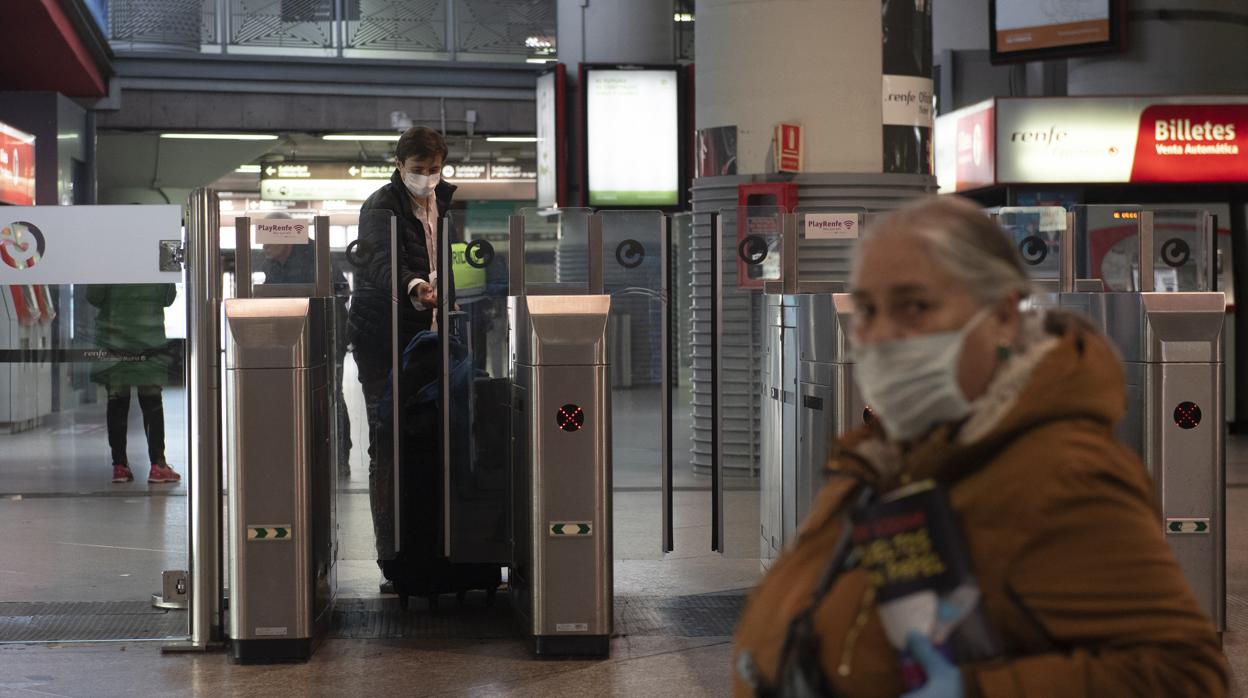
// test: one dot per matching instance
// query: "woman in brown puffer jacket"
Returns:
(1012, 413)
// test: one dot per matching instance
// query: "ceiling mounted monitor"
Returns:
(1030, 30)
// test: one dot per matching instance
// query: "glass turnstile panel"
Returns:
(1036, 232)
(1107, 244)
(556, 250)
(748, 256)
(473, 371)
(633, 262)
(1182, 254)
(93, 341)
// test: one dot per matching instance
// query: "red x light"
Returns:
(570, 417)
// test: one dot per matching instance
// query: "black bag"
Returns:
(419, 568)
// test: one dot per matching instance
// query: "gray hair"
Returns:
(963, 241)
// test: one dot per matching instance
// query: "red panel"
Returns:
(782, 194)
(44, 52)
(1192, 143)
(17, 166)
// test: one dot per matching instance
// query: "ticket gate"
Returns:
(1103, 263)
(279, 472)
(829, 403)
(807, 393)
(809, 398)
(809, 401)
(1172, 352)
(561, 574)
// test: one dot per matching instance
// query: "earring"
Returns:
(1003, 351)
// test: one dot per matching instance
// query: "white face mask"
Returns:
(912, 384)
(419, 184)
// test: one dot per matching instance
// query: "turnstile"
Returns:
(279, 477)
(561, 574)
(280, 473)
(809, 400)
(1172, 349)
(828, 401)
(1172, 352)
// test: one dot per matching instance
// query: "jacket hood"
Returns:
(1065, 371)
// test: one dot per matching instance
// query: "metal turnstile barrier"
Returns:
(280, 471)
(561, 579)
(279, 476)
(1105, 262)
(1172, 353)
(828, 402)
(808, 396)
(809, 399)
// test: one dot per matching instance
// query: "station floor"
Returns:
(71, 538)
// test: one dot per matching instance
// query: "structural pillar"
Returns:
(862, 93)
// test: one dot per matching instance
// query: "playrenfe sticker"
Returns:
(832, 226)
(283, 232)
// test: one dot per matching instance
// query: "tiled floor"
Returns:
(69, 538)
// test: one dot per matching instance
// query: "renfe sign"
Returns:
(17, 166)
(1113, 140)
(1122, 139)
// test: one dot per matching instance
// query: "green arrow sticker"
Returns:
(278, 532)
(572, 528)
(1187, 526)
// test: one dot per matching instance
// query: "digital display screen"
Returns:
(633, 137)
(1022, 27)
(547, 140)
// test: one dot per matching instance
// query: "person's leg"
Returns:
(116, 415)
(154, 425)
(153, 421)
(374, 379)
(344, 425)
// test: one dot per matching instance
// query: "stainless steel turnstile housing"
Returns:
(1172, 349)
(1171, 345)
(561, 575)
(280, 478)
(809, 400)
(828, 403)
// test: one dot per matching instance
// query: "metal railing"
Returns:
(469, 30)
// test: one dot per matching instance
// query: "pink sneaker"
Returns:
(162, 473)
(121, 473)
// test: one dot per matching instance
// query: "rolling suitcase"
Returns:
(419, 567)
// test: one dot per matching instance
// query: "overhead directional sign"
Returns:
(355, 181)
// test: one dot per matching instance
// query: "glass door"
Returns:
(93, 420)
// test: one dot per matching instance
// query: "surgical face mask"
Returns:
(420, 184)
(911, 384)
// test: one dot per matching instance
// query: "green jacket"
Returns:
(131, 324)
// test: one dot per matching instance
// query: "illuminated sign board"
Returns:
(1101, 140)
(633, 136)
(17, 166)
(965, 148)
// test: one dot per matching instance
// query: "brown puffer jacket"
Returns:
(1066, 541)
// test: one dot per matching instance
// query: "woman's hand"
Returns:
(944, 680)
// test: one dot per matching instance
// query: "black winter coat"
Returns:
(369, 316)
